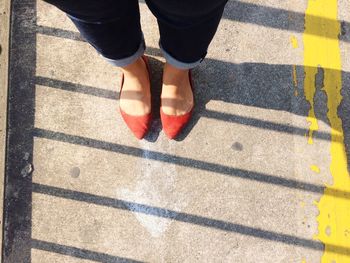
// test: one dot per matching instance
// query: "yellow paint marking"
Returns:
(313, 123)
(295, 80)
(296, 93)
(315, 168)
(294, 41)
(302, 204)
(322, 50)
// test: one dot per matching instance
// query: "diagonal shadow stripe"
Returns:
(187, 162)
(57, 32)
(74, 87)
(186, 218)
(263, 124)
(78, 252)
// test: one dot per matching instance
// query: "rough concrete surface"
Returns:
(240, 184)
(4, 42)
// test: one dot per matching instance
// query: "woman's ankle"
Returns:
(137, 68)
(173, 75)
(135, 97)
(177, 96)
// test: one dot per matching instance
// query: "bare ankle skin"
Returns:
(135, 98)
(177, 97)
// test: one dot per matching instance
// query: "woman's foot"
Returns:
(177, 96)
(176, 100)
(135, 96)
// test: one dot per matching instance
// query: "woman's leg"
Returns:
(186, 30)
(113, 29)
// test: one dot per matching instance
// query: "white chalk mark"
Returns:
(156, 186)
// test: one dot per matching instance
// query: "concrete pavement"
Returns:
(242, 184)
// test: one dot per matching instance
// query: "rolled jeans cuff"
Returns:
(128, 60)
(177, 63)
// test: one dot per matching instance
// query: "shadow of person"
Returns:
(257, 85)
(268, 86)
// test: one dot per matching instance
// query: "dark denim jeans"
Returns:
(113, 27)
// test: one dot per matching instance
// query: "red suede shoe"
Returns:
(139, 125)
(173, 124)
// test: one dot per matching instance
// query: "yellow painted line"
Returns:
(322, 50)
(295, 80)
(315, 168)
(294, 41)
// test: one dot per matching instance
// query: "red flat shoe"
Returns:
(173, 124)
(139, 125)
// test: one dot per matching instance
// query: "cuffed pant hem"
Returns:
(128, 60)
(176, 63)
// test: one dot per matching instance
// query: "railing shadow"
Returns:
(79, 253)
(189, 163)
(259, 85)
(188, 218)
